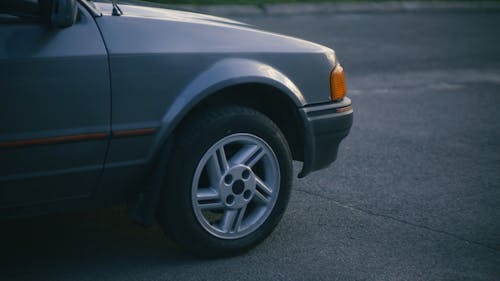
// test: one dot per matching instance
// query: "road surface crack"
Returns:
(371, 213)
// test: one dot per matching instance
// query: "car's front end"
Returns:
(192, 120)
(185, 54)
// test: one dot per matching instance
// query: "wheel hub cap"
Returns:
(237, 186)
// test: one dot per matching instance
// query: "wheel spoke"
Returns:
(262, 192)
(211, 205)
(208, 199)
(261, 185)
(217, 165)
(239, 218)
(228, 220)
(232, 219)
(248, 155)
(205, 194)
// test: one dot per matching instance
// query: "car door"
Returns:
(54, 107)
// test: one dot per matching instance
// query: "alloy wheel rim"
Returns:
(235, 186)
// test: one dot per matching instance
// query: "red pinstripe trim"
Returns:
(52, 140)
(133, 133)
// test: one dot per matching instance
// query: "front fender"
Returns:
(223, 74)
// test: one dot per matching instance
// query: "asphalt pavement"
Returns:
(414, 194)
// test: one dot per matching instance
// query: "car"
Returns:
(192, 121)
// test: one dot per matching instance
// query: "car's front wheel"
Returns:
(228, 181)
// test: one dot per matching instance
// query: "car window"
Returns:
(12, 11)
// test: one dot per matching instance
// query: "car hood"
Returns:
(166, 14)
(147, 28)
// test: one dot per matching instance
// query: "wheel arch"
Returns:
(242, 82)
(266, 99)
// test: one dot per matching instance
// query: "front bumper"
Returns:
(325, 126)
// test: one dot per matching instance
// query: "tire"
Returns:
(228, 182)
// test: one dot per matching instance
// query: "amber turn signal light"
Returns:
(338, 86)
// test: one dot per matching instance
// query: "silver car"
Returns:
(191, 120)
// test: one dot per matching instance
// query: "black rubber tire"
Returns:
(195, 137)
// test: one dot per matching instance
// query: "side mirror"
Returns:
(63, 13)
